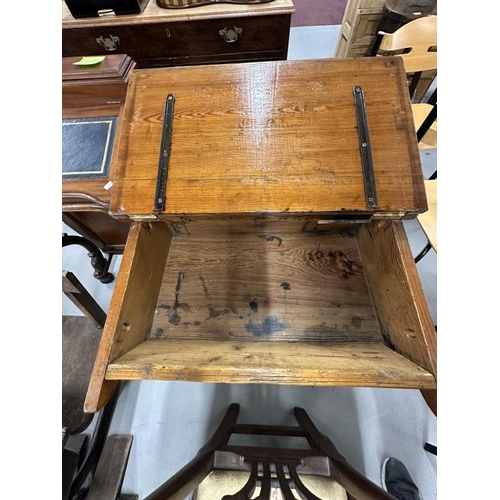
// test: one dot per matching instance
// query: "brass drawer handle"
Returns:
(230, 35)
(109, 43)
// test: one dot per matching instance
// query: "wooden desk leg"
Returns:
(430, 396)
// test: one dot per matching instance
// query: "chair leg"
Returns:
(347, 476)
(191, 475)
(423, 253)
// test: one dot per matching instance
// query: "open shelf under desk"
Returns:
(259, 305)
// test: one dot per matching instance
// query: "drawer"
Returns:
(184, 41)
(299, 302)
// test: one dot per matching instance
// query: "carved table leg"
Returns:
(97, 259)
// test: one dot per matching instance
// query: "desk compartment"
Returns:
(280, 303)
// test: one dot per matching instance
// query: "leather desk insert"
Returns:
(87, 145)
(197, 35)
(93, 97)
(270, 261)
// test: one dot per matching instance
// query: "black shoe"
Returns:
(397, 481)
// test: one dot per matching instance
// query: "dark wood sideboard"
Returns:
(172, 37)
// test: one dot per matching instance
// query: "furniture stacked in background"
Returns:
(416, 42)
(363, 19)
(170, 37)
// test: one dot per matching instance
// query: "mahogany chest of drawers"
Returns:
(171, 37)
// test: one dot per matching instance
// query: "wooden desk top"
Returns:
(276, 138)
(154, 14)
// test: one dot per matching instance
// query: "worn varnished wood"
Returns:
(266, 286)
(132, 306)
(322, 364)
(430, 396)
(97, 84)
(397, 292)
(274, 137)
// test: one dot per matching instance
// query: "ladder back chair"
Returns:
(221, 471)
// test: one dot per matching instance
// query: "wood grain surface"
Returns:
(367, 365)
(132, 305)
(397, 292)
(272, 137)
(266, 286)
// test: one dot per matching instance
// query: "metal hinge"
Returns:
(388, 215)
(143, 218)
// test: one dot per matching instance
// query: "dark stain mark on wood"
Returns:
(254, 306)
(212, 313)
(205, 289)
(316, 255)
(215, 358)
(344, 264)
(356, 321)
(277, 238)
(237, 348)
(233, 309)
(158, 334)
(175, 319)
(285, 286)
(197, 323)
(268, 302)
(271, 238)
(268, 327)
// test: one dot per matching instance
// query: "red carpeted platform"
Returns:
(318, 12)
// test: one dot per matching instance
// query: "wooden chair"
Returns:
(230, 472)
(92, 468)
(416, 44)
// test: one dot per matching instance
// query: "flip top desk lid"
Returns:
(330, 137)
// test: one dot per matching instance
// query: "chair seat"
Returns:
(220, 482)
(420, 113)
(80, 341)
(428, 220)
